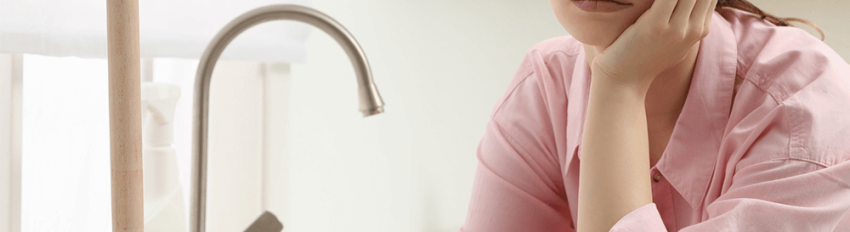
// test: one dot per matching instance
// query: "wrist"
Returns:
(616, 88)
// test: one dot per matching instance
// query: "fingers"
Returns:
(686, 20)
(710, 12)
(682, 14)
(661, 10)
(702, 12)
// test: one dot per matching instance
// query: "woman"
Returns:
(668, 115)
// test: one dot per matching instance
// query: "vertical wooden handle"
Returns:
(125, 129)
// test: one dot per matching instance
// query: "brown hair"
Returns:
(746, 6)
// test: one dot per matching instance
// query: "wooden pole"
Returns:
(125, 129)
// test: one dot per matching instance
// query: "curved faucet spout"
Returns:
(370, 100)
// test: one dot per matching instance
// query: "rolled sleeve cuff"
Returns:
(646, 218)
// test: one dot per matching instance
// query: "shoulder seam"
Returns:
(775, 100)
(546, 56)
(794, 111)
(513, 90)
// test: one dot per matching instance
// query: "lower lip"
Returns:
(599, 6)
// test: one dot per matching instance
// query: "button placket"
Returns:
(663, 199)
(655, 175)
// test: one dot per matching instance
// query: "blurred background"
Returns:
(287, 137)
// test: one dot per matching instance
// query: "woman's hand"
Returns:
(659, 39)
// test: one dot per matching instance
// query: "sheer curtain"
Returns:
(65, 160)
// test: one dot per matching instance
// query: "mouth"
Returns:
(620, 3)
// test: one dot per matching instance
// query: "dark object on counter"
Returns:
(266, 223)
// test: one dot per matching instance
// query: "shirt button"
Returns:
(656, 177)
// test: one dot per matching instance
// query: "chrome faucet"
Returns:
(370, 101)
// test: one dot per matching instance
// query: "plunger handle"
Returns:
(125, 129)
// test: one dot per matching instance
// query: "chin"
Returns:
(594, 34)
(597, 29)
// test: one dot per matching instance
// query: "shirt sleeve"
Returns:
(512, 192)
(778, 195)
(518, 184)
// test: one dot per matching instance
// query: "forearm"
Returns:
(613, 179)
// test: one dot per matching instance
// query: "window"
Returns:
(65, 142)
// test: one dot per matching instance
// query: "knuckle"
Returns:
(695, 32)
(659, 28)
(705, 32)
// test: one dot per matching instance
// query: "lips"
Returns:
(618, 2)
(601, 6)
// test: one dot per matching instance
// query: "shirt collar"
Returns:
(691, 154)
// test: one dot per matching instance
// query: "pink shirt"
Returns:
(778, 159)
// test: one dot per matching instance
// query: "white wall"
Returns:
(440, 66)
(235, 180)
